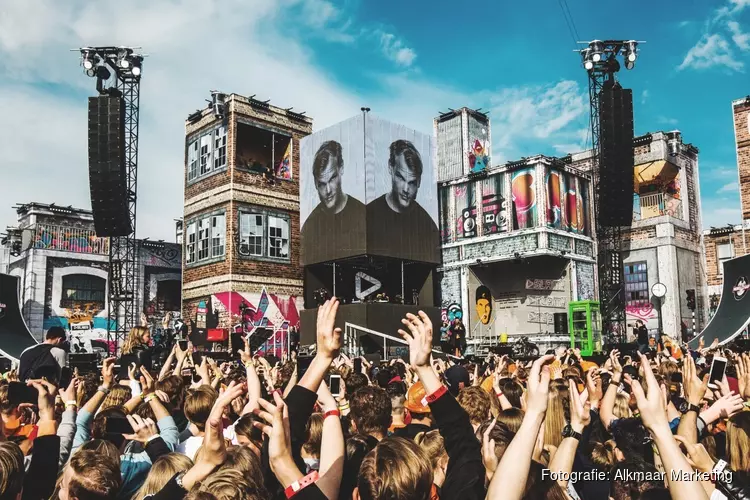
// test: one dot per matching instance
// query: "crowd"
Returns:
(645, 426)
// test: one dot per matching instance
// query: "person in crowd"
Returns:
(371, 412)
(45, 360)
(137, 347)
(640, 332)
(198, 404)
(419, 413)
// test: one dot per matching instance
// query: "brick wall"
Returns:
(742, 128)
(710, 243)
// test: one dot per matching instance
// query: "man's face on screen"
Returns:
(328, 184)
(404, 184)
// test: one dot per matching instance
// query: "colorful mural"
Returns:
(446, 225)
(524, 198)
(479, 156)
(245, 312)
(494, 205)
(567, 202)
(284, 168)
(555, 194)
(84, 322)
(451, 312)
(644, 312)
(466, 211)
(69, 239)
(484, 304)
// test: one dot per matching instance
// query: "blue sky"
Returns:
(406, 60)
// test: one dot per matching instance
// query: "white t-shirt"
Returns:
(190, 446)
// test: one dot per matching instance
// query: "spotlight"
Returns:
(136, 71)
(91, 72)
(631, 51)
(589, 64)
(124, 63)
(123, 58)
(88, 63)
(629, 64)
(596, 49)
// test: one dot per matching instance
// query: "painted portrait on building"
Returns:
(483, 304)
(402, 212)
(332, 212)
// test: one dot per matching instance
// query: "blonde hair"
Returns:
(118, 396)
(621, 408)
(433, 445)
(554, 422)
(738, 442)
(314, 435)
(603, 455)
(230, 484)
(512, 418)
(163, 469)
(198, 404)
(395, 468)
(135, 338)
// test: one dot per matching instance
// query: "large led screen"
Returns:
(332, 193)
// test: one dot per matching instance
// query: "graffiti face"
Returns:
(484, 304)
(454, 312)
(741, 288)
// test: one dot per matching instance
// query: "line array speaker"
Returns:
(616, 184)
(107, 175)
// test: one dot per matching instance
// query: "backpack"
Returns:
(38, 362)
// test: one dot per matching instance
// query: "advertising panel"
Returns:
(332, 193)
(402, 205)
(523, 191)
(494, 205)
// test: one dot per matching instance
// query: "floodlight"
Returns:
(136, 71)
(88, 63)
(91, 72)
(629, 64)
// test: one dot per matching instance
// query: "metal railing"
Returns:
(352, 348)
(69, 239)
(657, 205)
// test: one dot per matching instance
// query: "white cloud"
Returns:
(718, 212)
(729, 188)
(742, 40)
(711, 50)
(667, 121)
(644, 95)
(395, 49)
(556, 113)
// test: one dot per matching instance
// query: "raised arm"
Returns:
(608, 403)
(328, 346)
(580, 417)
(654, 416)
(510, 477)
(253, 381)
(332, 448)
(694, 389)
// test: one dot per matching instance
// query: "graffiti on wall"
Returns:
(544, 318)
(479, 156)
(451, 312)
(69, 239)
(284, 168)
(643, 312)
(567, 203)
(546, 285)
(484, 304)
(466, 211)
(585, 282)
(85, 322)
(494, 205)
(524, 198)
(547, 301)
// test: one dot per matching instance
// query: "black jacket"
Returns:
(464, 479)
(734, 486)
(39, 482)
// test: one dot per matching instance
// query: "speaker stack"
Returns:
(107, 175)
(616, 184)
(561, 323)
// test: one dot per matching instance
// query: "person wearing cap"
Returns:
(421, 416)
(456, 378)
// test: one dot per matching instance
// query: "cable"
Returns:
(567, 22)
(572, 22)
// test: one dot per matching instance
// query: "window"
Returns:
(278, 237)
(220, 148)
(168, 294)
(218, 231)
(206, 238)
(636, 284)
(251, 234)
(264, 235)
(724, 251)
(205, 154)
(79, 289)
(193, 160)
(190, 249)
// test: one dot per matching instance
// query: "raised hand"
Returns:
(147, 381)
(71, 392)
(245, 354)
(131, 372)
(538, 385)
(594, 385)
(724, 386)
(143, 429)
(694, 387)
(743, 374)
(697, 457)
(202, 370)
(614, 358)
(489, 457)
(419, 339)
(580, 413)
(275, 425)
(108, 372)
(214, 447)
(46, 399)
(650, 403)
(328, 337)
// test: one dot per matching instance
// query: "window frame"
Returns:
(720, 260)
(636, 295)
(215, 140)
(92, 279)
(199, 245)
(274, 163)
(265, 244)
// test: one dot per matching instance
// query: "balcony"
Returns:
(69, 239)
(649, 206)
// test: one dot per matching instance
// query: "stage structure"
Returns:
(612, 167)
(369, 225)
(113, 167)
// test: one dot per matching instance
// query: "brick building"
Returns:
(241, 215)
(63, 269)
(733, 240)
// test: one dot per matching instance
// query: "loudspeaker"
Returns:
(561, 323)
(107, 174)
(616, 185)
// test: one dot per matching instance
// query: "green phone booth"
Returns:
(585, 326)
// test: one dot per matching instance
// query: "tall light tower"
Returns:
(601, 59)
(114, 173)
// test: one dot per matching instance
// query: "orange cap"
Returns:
(415, 399)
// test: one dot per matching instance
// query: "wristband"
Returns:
(71, 403)
(148, 398)
(499, 394)
(151, 438)
(431, 398)
(717, 470)
(300, 484)
(612, 382)
(102, 389)
(329, 413)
